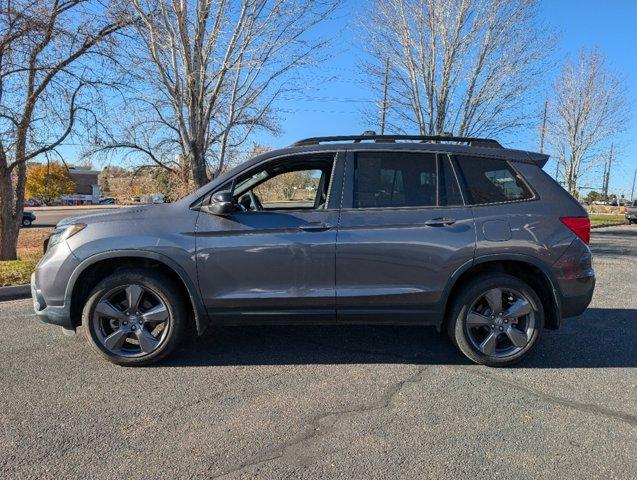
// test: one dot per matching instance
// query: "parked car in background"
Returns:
(28, 218)
(107, 201)
(457, 233)
(619, 202)
(631, 213)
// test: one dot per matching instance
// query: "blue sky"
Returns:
(335, 96)
(608, 26)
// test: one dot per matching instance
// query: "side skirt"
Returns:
(350, 316)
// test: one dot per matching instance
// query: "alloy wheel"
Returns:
(500, 322)
(131, 321)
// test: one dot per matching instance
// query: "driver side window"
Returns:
(288, 184)
(297, 189)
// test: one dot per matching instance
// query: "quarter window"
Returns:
(490, 180)
(384, 179)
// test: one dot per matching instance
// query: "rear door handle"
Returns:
(440, 222)
(315, 227)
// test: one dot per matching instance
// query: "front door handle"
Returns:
(440, 222)
(315, 227)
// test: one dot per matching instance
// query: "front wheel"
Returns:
(496, 319)
(26, 222)
(135, 317)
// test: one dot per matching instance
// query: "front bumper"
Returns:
(53, 314)
(49, 284)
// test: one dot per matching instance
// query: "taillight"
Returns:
(580, 226)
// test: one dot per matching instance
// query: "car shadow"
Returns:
(600, 338)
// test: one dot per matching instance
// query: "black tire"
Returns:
(156, 285)
(472, 292)
(26, 222)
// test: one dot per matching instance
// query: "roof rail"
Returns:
(371, 136)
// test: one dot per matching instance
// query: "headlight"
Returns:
(64, 232)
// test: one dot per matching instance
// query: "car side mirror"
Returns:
(221, 203)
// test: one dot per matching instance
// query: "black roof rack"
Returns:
(371, 136)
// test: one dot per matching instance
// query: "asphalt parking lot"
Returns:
(331, 402)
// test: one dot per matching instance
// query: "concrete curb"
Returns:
(15, 292)
(604, 225)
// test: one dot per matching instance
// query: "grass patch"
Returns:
(18, 272)
(600, 219)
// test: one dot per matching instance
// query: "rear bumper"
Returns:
(576, 279)
(581, 292)
(55, 315)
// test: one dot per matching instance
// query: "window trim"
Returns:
(465, 190)
(441, 159)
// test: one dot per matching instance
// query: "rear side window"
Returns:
(490, 180)
(395, 179)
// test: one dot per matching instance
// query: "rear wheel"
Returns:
(135, 317)
(26, 222)
(496, 320)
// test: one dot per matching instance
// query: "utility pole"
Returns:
(543, 129)
(607, 172)
(604, 189)
(632, 190)
(543, 134)
(383, 112)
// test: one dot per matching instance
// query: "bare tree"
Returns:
(461, 66)
(588, 109)
(207, 73)
(45, 83)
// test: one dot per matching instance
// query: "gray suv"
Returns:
(458, 233)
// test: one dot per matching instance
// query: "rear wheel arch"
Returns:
(92, 270)
(523, 267)
(496, 320)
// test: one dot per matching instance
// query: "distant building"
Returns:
(87, 190)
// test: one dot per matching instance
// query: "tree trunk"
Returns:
(9, 226)
(198, 166)
(12, 198)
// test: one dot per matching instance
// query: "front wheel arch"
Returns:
(135, 317)
(93, 269)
